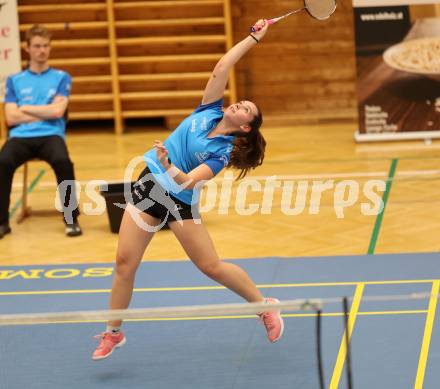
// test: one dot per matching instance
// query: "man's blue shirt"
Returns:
(29, 88)
(189, 147)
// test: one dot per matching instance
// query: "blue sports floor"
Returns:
(395, 344)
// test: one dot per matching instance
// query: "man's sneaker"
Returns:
(73, 229)
(108, 343)
(4, 229)
(273, 321)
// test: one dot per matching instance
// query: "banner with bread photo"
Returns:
(398, 69)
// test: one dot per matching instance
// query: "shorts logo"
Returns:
(136, 192)
(178, 207)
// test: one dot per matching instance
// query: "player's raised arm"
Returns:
(215, 88)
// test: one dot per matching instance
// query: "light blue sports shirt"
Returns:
(29, 88)
(189, 146)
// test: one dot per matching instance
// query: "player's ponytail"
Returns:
(248, 151)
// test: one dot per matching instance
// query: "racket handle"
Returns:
(269, 21)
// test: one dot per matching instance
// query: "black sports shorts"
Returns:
(150, 197)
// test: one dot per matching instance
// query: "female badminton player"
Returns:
(168, 189)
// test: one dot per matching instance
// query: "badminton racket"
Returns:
(318, 9)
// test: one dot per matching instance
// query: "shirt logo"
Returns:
(225, 160)
(193, 125)
(26, 91)
(204, 123)
(203, 156)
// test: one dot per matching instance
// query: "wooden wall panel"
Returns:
(303, 69)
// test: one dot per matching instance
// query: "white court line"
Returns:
(46, 184)
(420, 145)
(406, 173)
(338, 175)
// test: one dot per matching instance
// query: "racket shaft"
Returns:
(276, 20)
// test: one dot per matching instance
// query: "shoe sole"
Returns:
(73, 234)
(8, 231)
(120, 344)
(282, 329)
(281, 320)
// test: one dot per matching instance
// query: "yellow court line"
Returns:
(191, 318)
(349, 283)
(371, 313)
(337, 371)
(408, 312)
(202, 288)
(49, 292)
(427, 335)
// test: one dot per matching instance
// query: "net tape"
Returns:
(160, 312)
(313, 304)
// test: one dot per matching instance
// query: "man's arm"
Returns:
(55, 110)
(14, 116)
(215, 88)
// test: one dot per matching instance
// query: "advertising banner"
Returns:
(398, 69)
(9, 42)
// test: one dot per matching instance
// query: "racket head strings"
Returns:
(320, 9)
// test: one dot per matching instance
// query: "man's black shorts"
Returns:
(150, 197)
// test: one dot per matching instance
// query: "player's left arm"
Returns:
(216, 85)
(195, 177)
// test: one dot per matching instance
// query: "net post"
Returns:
(347, 344)
(319, 349)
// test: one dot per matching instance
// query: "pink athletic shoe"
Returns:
(273, 321)
(108, 343)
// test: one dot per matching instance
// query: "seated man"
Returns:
(35, 104)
